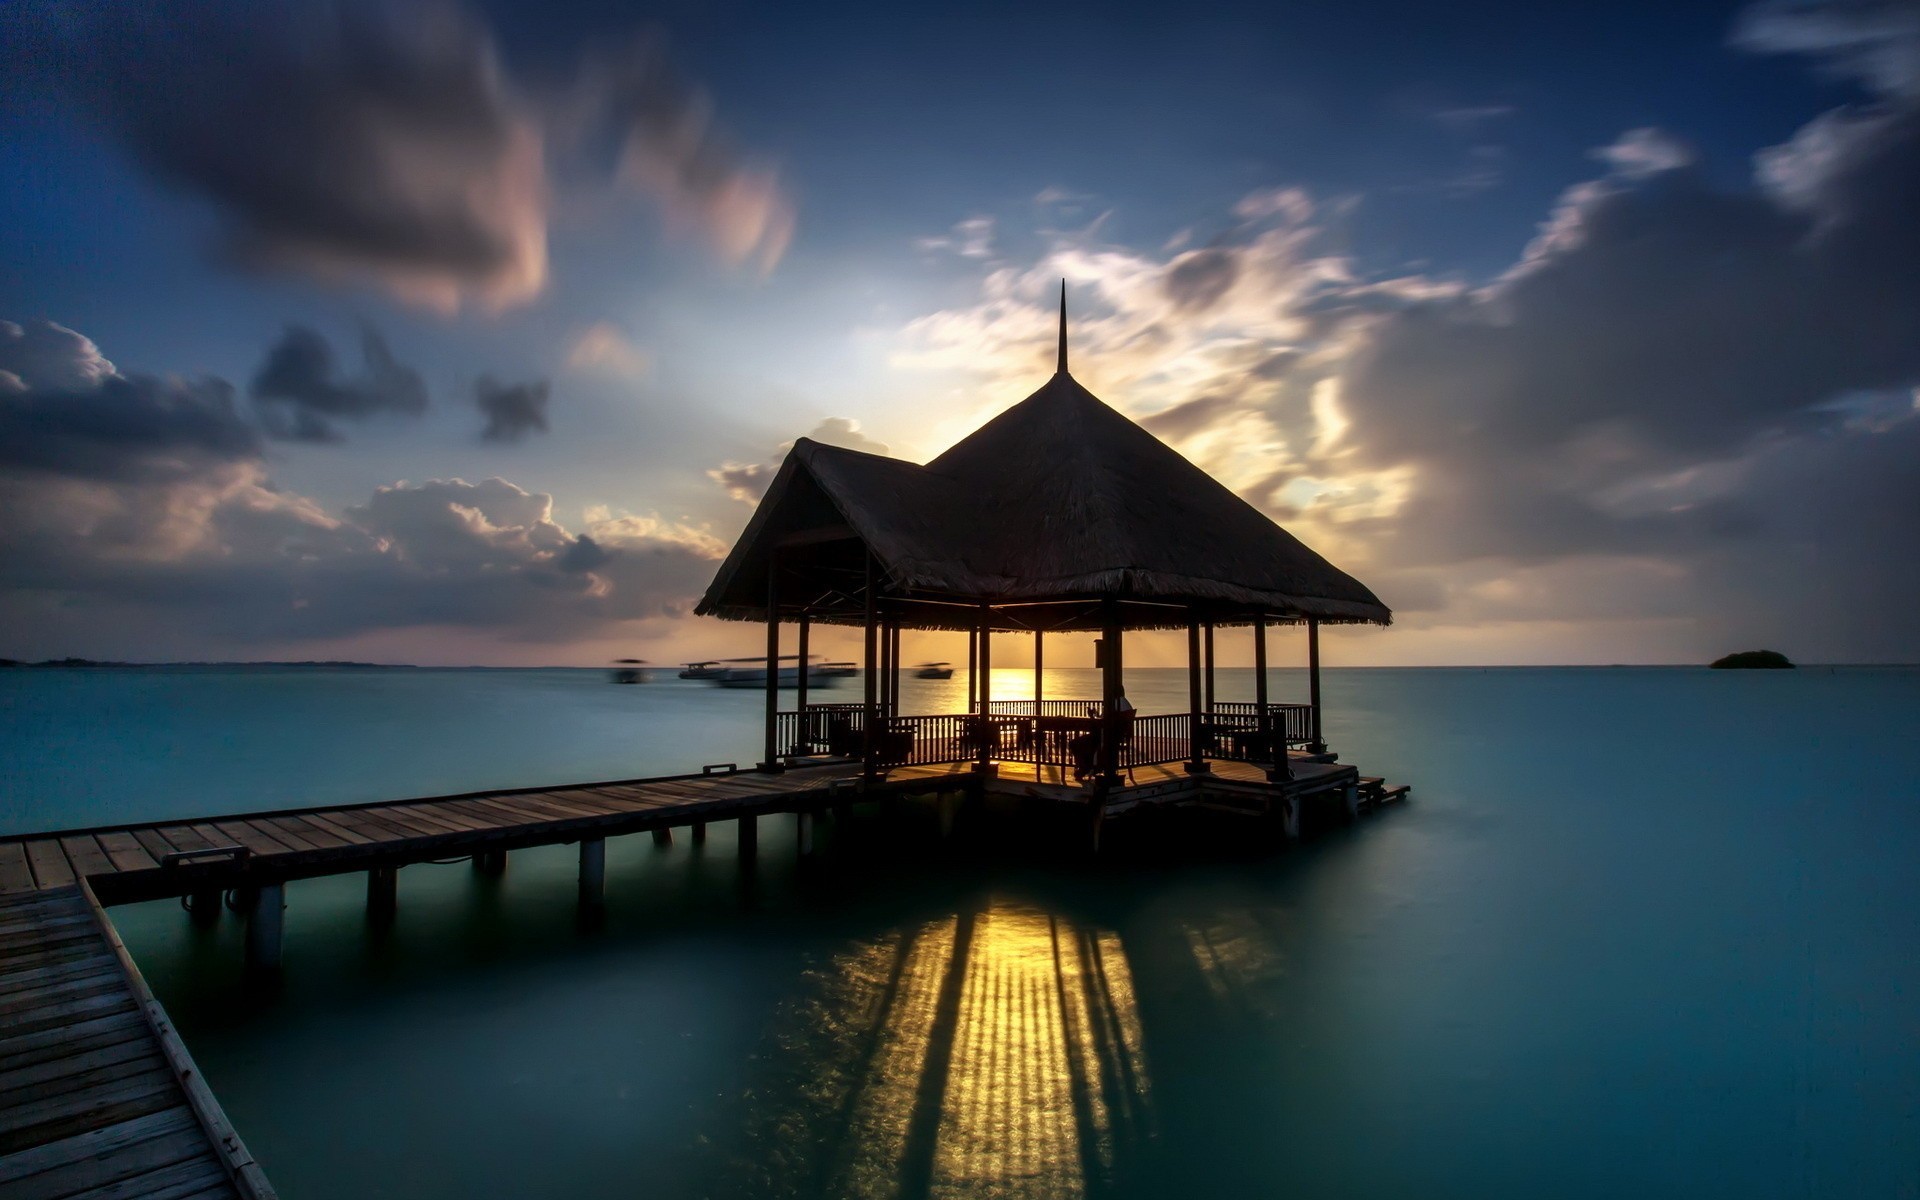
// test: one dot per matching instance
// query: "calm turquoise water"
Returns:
(1640, 932)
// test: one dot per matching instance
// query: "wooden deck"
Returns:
(97, 1095)
(140, 862)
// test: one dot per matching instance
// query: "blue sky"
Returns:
(1374, 265)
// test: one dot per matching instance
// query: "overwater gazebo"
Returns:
(1059, 515)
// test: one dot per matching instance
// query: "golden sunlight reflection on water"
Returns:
(997, 1052)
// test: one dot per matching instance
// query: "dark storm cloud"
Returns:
(343, 140)
(65, 411)
(389, 143)
(301, 392)
(1721, 380)
(512, 410)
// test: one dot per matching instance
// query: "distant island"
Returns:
(1752, 660)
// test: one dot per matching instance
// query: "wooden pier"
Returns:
(97, 1095)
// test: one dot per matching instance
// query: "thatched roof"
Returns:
(1056, 502)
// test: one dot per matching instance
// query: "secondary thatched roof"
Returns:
(1058, 501)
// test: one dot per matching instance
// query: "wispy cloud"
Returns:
(604, 347)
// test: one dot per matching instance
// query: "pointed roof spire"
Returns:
(1063, 328)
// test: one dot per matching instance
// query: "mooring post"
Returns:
(948, 806)
(204, 907)
(593, 874)
(663, 836)
(490, 862)
(749, 837)
(383, 894)
(265, 924)
(1353, 802)
(699, 833)
(803, 833)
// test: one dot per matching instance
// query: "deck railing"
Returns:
(1047, 708)
(839, 730)
(1234, 730)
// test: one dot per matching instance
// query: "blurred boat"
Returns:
(755, 675)
(937, 670)
(632, 670)
(702, 670)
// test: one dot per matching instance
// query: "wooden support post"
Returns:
(770, 759)
(987, 732)
(1290, 809)
(1207, 678)
(203, 907)
(663, 836)
(1318, 744)
(1352, 797)
(895, 674)
(490, 862)
(1111, 683)
(266, 923)
(699, 833)
(593, 875)
(803, 833)
(1196, 715)
(947, 805)
(749, 838)
(1039, 669)
(973, 670)
(804, 654)
(1261, 720)
(869, 711)
(383, 894)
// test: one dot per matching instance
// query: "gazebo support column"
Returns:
(893, 670)
(1263, 722)
(1196, 715)
(770, 760)
(803, 732)
(973, 670)
(1039, 667)
(988, 734)
(869, 716)
(1319, 744)
(1110, 686)
(1208, 669)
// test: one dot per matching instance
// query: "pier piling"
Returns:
(1290, 806)
(749, 838)
(265, 924)
(490, 862)
(383, 894)
(593, 875)
(699, 833)
(663, 836)
(804, 833)
(204, 907)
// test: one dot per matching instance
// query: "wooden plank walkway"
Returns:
(137, 862)
(97, 1095)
